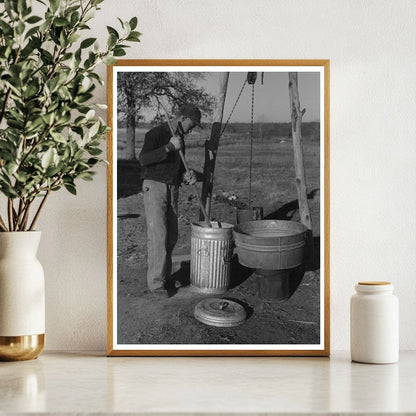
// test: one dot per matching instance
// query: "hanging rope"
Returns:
(235, 104)
(250, 79)
(251, 144)
(226, 123)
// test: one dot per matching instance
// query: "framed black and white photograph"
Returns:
(218, 207)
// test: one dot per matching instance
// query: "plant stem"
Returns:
(26, 216)
(2, 224)
(17, 217)
(28, 204)
(3, 109)
(20, 214)
(14, 218)
(10, 213)
(39, 209)
(36, 144)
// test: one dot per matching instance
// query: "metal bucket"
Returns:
(270, 244)
(273, 284)
(211, 252)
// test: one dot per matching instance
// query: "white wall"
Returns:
(371, 45)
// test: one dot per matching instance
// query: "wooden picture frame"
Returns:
(299, 325)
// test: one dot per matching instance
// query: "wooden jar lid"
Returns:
(374, 283)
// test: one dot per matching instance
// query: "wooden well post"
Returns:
(211, 145)
(296, 115)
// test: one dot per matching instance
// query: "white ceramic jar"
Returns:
(22, 296)
(374, 323)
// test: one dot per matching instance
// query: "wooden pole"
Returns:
(297, 115)
(211, 145)
(222, 92)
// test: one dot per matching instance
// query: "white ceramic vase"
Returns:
(22, 296)
(374, 323)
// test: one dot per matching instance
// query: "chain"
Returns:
(235, 104)
(251, 144)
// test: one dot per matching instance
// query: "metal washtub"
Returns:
(211, 252)
(270, 244)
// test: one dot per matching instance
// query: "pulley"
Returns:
(251, 77)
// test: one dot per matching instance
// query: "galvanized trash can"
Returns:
(211, 252)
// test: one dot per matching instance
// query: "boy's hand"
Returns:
(189, 178)
(177, 142)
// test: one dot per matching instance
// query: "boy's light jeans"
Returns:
(161, 209)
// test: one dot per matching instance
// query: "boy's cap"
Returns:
(189, 110)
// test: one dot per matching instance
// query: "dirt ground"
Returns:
(143, 319)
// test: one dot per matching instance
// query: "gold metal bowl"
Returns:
(20, 348)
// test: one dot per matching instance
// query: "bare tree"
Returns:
(138, 91)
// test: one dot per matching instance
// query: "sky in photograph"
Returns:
(271, 103)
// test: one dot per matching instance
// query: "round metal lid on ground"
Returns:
(220, 312)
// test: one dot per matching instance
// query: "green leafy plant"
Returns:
(50, 134)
